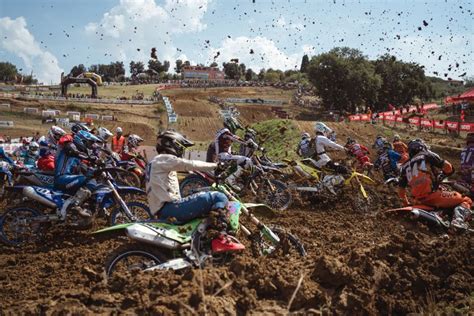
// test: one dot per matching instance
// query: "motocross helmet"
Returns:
(470, 139)
(322, 128)
(84, 140)
(55, 133)
(396, 138)
(415, 146)
(134, 141)
(79, 127)
(250, 133)
(104, 133)
(350, 141)
(305, 136)
(172, 143)
(118, 130)
(232, 124)
(33, 148)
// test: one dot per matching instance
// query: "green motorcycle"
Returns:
(164, 246)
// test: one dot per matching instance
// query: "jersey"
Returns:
(417, 173)
(358, 150)
(68, 160)
(305, 149)
(388, 162)
(224, 140)
(467, 164)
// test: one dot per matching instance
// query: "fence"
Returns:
(172, 116)
(85, 100)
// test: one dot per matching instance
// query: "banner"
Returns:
(467, 127)
(364, 117)
(439, 124)
(452, 126)
(399, 119)
(414, 121)
(390, 117)
(426, 123)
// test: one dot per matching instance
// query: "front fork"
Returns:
(121, 202)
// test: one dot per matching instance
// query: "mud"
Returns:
(356, 264)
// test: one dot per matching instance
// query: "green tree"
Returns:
(136, 68)
(249, 75)
(344, 79)
(214, 64)
(179, 65)
(261, 74)
(8, 72)
(231, 70)
(304, 63)
(157, 66)
(77, 70)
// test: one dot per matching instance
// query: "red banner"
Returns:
(390, 117)
(414, 120)
(426, 123)
(466, 127)
(439, 124)
(354, 118)
(399, 119)
(364, 117)
(452, 126)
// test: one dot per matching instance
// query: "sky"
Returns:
(47, 37)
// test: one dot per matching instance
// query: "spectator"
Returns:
(118, 141)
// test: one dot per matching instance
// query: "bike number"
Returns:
(465, 157)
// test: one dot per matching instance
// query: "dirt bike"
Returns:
(160, 245)
(41, 207)
(330, 183)
(257, 182)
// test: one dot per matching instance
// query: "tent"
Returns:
(464, 97)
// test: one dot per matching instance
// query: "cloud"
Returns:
(16, 39)
(265, 53)
(129, 30)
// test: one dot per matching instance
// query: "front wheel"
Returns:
(18, 226)
(276, 194)
(191, 184)
(139, 210)
(289, 243)
(124, 177)
(132, 257)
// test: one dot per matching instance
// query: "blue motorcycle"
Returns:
(41, 208)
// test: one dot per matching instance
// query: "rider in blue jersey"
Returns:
(67, 174)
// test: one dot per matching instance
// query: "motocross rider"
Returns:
(67, 175)
(321, 143)
(163, 189)
(222, 144)
(304, 149)
(467, 162)
(387, 161)
(130, 150)
(250, 137)
(30, 156)
(401, 148)
(379, 141)
(48, 146)
(360, 152)
(418, 174)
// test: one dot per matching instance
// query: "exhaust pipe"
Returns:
(30, 193)
(430, 217)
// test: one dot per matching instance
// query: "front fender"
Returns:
(128, 190)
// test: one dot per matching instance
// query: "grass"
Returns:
(279, 137)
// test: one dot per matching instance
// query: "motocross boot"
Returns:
(232, 179)
(75, 202)
(226, 243)
(460, 218)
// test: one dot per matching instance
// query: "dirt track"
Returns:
(356, 264)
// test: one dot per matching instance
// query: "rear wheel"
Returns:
(191, 184)
(279, 197)
(19, 227)
(132, 257)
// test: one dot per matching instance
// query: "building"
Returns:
(202, 73)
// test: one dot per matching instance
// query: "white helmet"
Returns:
(134, 140)
(305, 135)
(118, 130)
(33, 148)
(104, 133)
(55, 133)
(320, 127)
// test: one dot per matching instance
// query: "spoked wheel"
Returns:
(191, 184)
(289, 244)
(279, 197)
(124, 177)
(18, 226)
(140, 210)
(132, 257)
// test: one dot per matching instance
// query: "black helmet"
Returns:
(250, 133)
(79, 127)
(415, 146)
(470, 138)
(172, 143)
(232, 124)
(350, 141)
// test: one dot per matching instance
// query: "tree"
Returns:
(469, 82)
(8, 72)
(77, 70)
(157, 66)
(136, 68)
(261, 74)
(273, 75)
(304, 63)
(231, 70)
(249, 75)
(179, 65)
(344, 79)
(214, 64)
(401, 82)
(242, 69)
